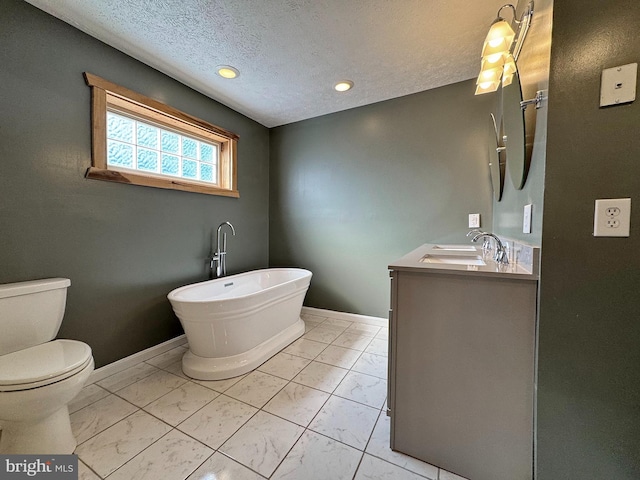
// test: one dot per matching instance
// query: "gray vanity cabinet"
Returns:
(462, 371)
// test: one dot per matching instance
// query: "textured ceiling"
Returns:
(290, 53)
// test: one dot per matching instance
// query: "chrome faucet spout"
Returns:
(474, 231)
(486, 244)
(233, 230)
(500, 253)
(218, 260)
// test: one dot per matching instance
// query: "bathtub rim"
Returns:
(171, 296)
(222, 368)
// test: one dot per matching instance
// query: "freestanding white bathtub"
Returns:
(235, 323)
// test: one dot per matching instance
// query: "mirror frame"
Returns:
(515, 128)
(497, 161)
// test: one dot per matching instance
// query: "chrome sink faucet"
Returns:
(218, 259)
(486, 243)
(500, 255)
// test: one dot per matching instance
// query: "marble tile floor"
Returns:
(316, 410)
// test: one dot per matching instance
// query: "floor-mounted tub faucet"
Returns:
(501, 252)
(218, 260)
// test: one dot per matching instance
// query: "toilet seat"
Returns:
(43, 364)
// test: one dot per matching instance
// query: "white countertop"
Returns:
(527, 270)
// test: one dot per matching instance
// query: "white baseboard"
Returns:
(133, 360)
(350, 317)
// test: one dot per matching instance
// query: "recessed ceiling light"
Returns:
(227, 71)
(343, 85)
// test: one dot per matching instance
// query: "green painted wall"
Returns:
(355, 190)
(123, 247)
(589, 352)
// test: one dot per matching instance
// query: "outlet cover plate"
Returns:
(612, 217)
(474, 220)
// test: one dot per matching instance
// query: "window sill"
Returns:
(132, 178)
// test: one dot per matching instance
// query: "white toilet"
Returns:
(38, 376)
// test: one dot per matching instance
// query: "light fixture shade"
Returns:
(487, 87)
(490, 75)
(492, 62)
(488, 80)
(499, 38)
(507, 79)
(510, 65)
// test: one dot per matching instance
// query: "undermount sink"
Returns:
(455, 248)
(454, 259)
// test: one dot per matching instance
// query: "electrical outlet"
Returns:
(612, 217)
(612, 211)
(474, 220)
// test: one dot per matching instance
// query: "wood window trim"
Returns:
(105, 93)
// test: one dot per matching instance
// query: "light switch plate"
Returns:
(474, 220)
(612, 217)
(618, 85)
(526, 219)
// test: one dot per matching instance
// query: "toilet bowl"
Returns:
(38, 377)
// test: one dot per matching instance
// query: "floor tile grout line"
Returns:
(247, 403)
(201, 463)
(333, 394)
(214, 450)
(300, 338)
(404, 468)
(143, 450)
(306, 428)
(189, 380)
(91, 469)
(240, 463)
(95, 401)
(235, 431)
(288, 452)
(151, 414)
(186, 380)
(387, 461)
(148, 360)
(325, 402)
(109, 426)
(148, 446)
(350, 368)
(355, 473)
(137, 380)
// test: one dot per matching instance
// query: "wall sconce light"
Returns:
(501, 50)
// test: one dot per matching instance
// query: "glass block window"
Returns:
(138, 145)
(140, 141)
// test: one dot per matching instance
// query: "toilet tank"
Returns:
(31, 312)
